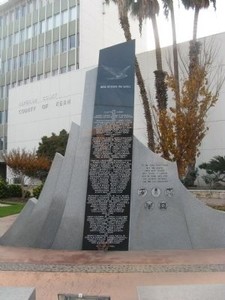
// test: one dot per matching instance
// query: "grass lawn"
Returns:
(12, 208)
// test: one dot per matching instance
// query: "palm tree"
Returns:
(145, 9)
(123, 6)
(194, 49)
(169, 7)
(149, 9)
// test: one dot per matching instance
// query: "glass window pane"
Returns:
(35, 29)
(22, 35)
(72, 41)
(27, 58)
(17, 12)
(42, 26)
(57, 20)
(49, 23)
(29, 32)
(65, 17)
(16, 38)
(34, 56)
(23, 9)
(41, 53)
(14, 63)
(55, 47)
(21, 61)
(48, 51)
(73, 13)
(63, 45)
(10, 38)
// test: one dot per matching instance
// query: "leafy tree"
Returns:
(215, 170)
(123, 8)
(55, 143)
(181, 128)
(190, 119)
(194, 51)
(27, 164)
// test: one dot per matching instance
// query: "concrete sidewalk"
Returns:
(114, 274)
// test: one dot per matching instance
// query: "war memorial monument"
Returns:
(109, 191)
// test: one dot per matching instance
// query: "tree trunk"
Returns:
(194, 51)
(147, 112)
(124, 22)
(160, 85)
(175, 57)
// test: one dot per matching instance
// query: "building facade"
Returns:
(38, 39)
(46, 47)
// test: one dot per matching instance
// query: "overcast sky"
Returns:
(211, 21)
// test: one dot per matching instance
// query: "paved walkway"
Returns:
(115, 274)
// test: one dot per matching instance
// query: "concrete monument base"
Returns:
(17, 293)
(184, 292)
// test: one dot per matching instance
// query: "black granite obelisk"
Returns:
(109, 180)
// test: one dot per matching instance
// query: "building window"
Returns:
(64, 17)
(9, 65)
(34, 56)
(73, 13)
(63, 45)
(42, 26)
(10, 39)
(63, 70)
(56, 20)
(41, 53)
(5, 137)
(29, 32)
(11, 16)
(14, 63)
(27, 58)
(33, 78)
(17, 13)
(71, 68)
(29, 5)
(72, 41)
(21, 61)
(1, 91)
(35, 29)
(55, 47)
(48, 50)
(7, 90)
(49, 23)
(23, 10)
(4, 42)
(1, 121)
(16, 37)
(22, 35)
(48, 74)
(1, 138)
(3, 66)
(54, 72)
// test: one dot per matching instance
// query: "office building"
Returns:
(47, 46)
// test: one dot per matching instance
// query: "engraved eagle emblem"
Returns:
(116, 73)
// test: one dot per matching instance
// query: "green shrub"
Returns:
(3, 189)
(14, 190)
(27, 194)
(37, 190)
